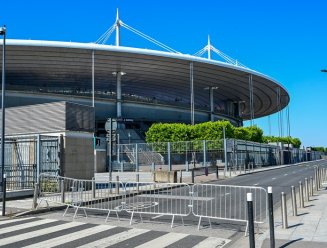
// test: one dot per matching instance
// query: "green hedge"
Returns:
(164, 132)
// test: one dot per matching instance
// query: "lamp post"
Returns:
(3, 33)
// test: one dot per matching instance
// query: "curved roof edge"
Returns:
(100, 47)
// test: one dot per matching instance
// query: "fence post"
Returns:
(136, 158)
(301, 195)
(153, 166)
(250, 219)
(306, 189)
(187, 166)
(271, 217)
(192, 175)
(117, 185)
(38, 157)
(180, 176)
(137, 182)
(93, 187)
(225, 151)
(284, 210)
(62, 189)
(293, 196)
(169, 156)
(204, 153)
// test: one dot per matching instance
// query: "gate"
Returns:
(28, 156)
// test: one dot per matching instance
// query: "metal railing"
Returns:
(228, 202)
(155, 199)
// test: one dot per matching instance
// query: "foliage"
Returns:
(319, 149)
(286, 140)
(175, 132)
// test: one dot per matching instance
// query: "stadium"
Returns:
(139, 86)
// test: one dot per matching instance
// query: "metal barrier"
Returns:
(82, 194)
(228, 202)
(210, 201)
(158, 199)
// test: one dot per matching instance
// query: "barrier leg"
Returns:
(209, 222)
(117, 216)
(199, 222)
(65, 211)
(172, 221)
(130, 222)
(107, 216)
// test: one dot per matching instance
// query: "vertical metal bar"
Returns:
(136, 158)
(62, 190)
(93, 103)
(192, 93)
(271, 218)
(250, 219)
(169, 156)
(38, 157)
(284, 210)
(225, 151)
(3, 108)
(204, 153)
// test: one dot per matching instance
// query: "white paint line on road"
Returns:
(70, 237)
(114, 239)
(29, 235)
(255, 184)
(212, 242)
(163, 241)
(285, 174)
(25, 225)
(273, 178)
(2, 222)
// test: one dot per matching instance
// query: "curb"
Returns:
(275, 168)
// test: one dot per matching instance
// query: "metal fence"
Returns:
(239, 155)
(220, 202)
(26, 157)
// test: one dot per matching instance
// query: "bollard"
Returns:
(293, 196)
(93, 188)
(62, 189)
(180, 176)
(311, 186)
(316, 180)
(250, 219)
(217, 173)
(301, 195)
(284, 210)
(306, 189)
(117, 185)
(137, 182)
(271, 217)
(36, 192)
(192, 175)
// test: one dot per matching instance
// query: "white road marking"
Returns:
(70, 237)
(163, 241)
(2, 222)
(114, 239)
(37, 233)
(273, 178)
(285, 174)
(25, 225)
(255, 184)
(212, 242)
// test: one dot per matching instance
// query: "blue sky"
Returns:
(286, 40)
